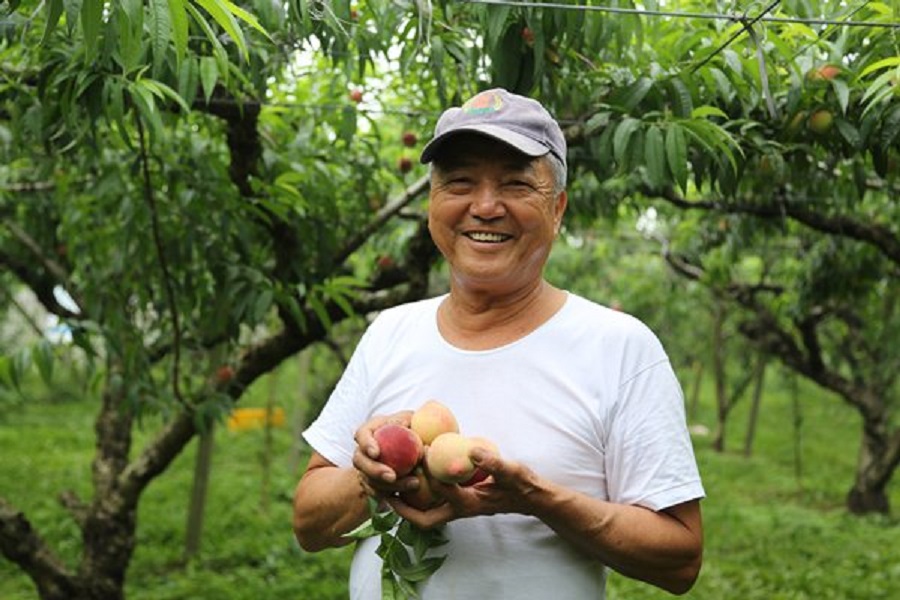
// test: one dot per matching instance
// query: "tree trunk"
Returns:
(695, 389)
(722, 403)
(197, 508)
(759, 376)
(878, 456)
(108, 529)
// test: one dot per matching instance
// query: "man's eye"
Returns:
(457, 182)
(519, 184)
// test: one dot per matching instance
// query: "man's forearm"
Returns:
(329, 502)
(662, 548)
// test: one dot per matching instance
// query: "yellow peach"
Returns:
(433, 419)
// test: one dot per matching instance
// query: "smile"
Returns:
(484, 236)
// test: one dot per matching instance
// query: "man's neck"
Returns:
(475, 321)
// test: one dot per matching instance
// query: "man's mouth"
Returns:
(488, 237)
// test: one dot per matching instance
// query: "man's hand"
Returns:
(503, 491)
(376, 478)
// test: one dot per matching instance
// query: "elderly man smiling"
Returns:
(595, 467)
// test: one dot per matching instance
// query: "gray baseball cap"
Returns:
(520, 122)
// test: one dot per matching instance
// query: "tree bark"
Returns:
(878, 458)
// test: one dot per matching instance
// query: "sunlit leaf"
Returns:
(219, 11)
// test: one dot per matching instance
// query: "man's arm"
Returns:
(329, 501)
(663, 548)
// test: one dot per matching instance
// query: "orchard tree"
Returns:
(208, 178)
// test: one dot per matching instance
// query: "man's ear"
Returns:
(559, 209)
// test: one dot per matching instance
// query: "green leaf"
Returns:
(209, 75)
(850, 133)
(497, 22)
(624, 131)
(160, 33)
(385, 521)
(597, 122)
(406, 589)
(246, 17)
(629, 97)
(842, 92)
(113, 99)
(43, 358)
(188, 79)
(890, 127)
(702, 112)
(676, 155)
(716, 140)
(682, 103)
(54, 12)
(389, 587)
(178, 18)
(162, 91)
(655, 156)
(9, 374)
(222, 15)
(886, 63)
(146, 105)
(91, 23)
(880, 82)
(364, 530)
(131, 32)
(218, 49)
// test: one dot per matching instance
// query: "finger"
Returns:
(373, 469)
(424, 519)
(365, 435)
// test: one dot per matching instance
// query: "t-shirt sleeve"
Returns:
(650, 456)
(331, 434)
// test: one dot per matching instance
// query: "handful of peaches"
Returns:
(431, 447)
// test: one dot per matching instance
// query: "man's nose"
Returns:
(486, 203)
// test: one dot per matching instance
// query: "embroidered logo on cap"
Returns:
(483, 103)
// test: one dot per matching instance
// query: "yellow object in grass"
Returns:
(254, 418)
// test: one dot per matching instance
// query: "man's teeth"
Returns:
(487, 237)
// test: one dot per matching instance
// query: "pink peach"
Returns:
(400, 448)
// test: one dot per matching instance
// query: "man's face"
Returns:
(493, 213)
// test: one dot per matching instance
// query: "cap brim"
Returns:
(522, 143)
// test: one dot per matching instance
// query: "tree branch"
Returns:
(392, 207)
(22, 545)
(881, 237)
(256, 362)
(50, 265)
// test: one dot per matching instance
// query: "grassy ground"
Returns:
(775, 524)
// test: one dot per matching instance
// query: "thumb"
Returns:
(484, 458)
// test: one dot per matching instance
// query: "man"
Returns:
(595, 466)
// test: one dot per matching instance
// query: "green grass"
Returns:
(775, 523)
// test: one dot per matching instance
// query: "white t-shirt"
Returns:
(587, 400)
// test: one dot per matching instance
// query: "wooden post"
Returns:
(759, 375)
(202, 468)
(298, 421)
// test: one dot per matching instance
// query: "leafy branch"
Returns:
(403, 551)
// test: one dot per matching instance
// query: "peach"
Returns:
(400, 448)
(423, 497)
(433, 419)
(447, 458)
